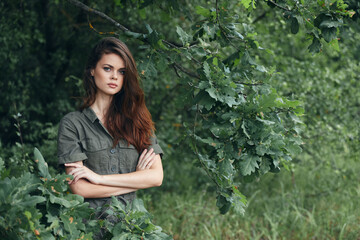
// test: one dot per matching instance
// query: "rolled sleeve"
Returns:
(155, 145)
(69, 148)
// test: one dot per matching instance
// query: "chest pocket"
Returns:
(128, 156)
(97, 153)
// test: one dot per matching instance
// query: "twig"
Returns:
(101, 33)
(124, 29)
(250, 84)
(261, 16)
(221, 27)
(184, 70)
(96, 12)
(279, 6)
(176, 71)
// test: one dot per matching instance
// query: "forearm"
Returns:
(87, 189)
(138, 180)
(91, 185)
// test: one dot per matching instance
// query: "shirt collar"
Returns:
(90, 114)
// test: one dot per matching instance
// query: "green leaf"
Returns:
(266, 122)
(204, 99)
(184, 37)
(335, 44)
(138, 205)
(329, 33)
(226, 169)
(135, 35)
(202, 11)
(207, 70)
(248, 3)
(293, 149)
(248, 164)
(223, 204)
(243, 126)
(212, 93)
(209, 164)
(320, 18)
(315, 46)
(239, 202)
(210, 29)
(30, 201)
(330, 24)
(294, 25)
(42, 165)
(215, 61)
(60, 201)
(265, 166)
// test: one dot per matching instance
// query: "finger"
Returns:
(151, 161)
(78, 176)
(146, 157)
(149, 152)
(143, 153)
(73, 165)
(141, 158)
(75, 170)
(148, 161)
(78, 173)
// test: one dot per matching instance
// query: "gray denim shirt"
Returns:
(82, 137)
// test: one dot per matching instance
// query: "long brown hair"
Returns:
(127, 117)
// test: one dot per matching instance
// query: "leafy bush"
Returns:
(40, 206)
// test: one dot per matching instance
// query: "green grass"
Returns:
(318, 201)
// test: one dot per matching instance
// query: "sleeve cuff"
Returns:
(157, 149)
(72, 158)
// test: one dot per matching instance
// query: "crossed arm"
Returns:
(149, 173)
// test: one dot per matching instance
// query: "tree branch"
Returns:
(186, 71)
(124, 29)
(279, 6)
(260, 17)
(96, 12)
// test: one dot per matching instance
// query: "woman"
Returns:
(100, 145)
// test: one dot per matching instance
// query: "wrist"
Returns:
(101, 179)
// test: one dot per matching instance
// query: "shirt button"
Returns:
(112, 150)
(113, 168)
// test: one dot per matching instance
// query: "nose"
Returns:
(114, 76)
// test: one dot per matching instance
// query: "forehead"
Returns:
(111, 59)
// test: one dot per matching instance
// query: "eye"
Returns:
(107, 69)
(122, 72)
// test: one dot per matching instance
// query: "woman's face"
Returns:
(109, 74)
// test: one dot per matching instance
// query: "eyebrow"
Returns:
(113, 66)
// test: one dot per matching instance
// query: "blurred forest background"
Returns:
(43, 49)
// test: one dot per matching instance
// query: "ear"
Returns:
(92, 72)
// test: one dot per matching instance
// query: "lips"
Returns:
(112, 85)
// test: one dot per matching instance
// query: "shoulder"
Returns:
(72, 117)
(71, 120)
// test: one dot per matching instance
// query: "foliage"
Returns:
(247, 128)
(313, 202)
(134, 222)
(226, 82)
(45, 209)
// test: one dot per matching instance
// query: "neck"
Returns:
(101, 105)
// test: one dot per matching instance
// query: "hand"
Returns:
(146, 160)
(79, 171)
